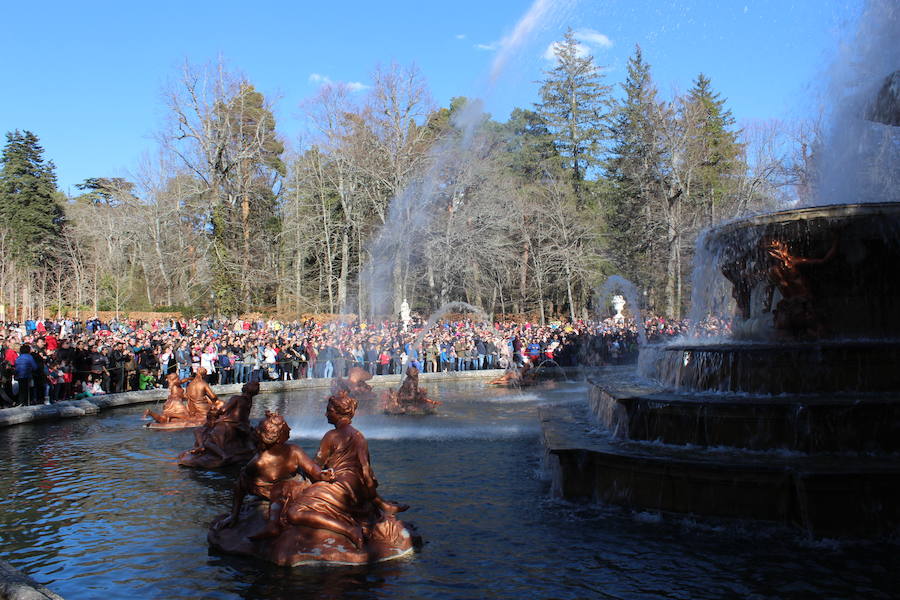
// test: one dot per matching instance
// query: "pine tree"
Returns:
(28, 199)
(714, 146)
(636, 170)
(575, 106)
(529, 147)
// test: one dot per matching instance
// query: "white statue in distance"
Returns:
(618, 303)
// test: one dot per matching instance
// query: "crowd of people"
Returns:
(52, 360)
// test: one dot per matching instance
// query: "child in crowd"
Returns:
(146, 380)
(87, 388)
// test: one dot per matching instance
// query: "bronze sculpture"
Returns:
(355, 385)
(523, 376)
(200, 397)
(175, 413)
(795, 313)
(337, 518)
(226, 438)
(410, 398)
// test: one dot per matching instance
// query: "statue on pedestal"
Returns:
(410, 398)
(333, 515)
(226, 438)
(618, 303)
(404, 314)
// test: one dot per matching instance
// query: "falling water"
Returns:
(860, 159)
(411, 210)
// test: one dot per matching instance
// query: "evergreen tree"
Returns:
(247, 169)
(636, 169)
(714, 147)
(530, 150)
(575, 106)
(28, 199)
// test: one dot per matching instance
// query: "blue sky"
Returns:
(87, 77)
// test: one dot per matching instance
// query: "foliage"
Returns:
(28, 199)
(575, 107)
(390, 195)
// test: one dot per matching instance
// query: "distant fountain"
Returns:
(412, 208)
(618, 286)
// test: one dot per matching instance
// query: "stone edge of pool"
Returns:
(15, 585)
(93, 405)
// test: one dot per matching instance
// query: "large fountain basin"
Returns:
(802, 423)
(856, 293)
(824, 495)
(777, 368)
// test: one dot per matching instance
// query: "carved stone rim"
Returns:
(828, 211)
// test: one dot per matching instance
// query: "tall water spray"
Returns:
(860, 159)
(617, 283)
(411, 210)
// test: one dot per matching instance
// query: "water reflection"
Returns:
(97, 507)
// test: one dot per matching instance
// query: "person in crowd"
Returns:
(26, 367)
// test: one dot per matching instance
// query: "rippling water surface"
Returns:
(97, 508)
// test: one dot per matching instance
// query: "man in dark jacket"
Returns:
(25, 368)
(39, 354)
(117, 360)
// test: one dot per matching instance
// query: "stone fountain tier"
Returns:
(777, 368)
(795, 418)
(845, 423)
(856, 293)
(846, 495)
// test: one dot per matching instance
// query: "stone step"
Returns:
(809, 423)
(845, 494)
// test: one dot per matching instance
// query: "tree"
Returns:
(224, 131)
(575, 106)
(713, 147)
(636, 171)
(29, 199)
(530, 151)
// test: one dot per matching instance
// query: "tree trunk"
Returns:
(344, 272)
(671, 273)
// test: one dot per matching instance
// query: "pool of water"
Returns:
(97, 508)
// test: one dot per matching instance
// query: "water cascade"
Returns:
(796, 417)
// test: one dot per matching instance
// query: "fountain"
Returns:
(796, 417)
(334, 517)
(793, 416)
(618, 291)
(409, 399)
